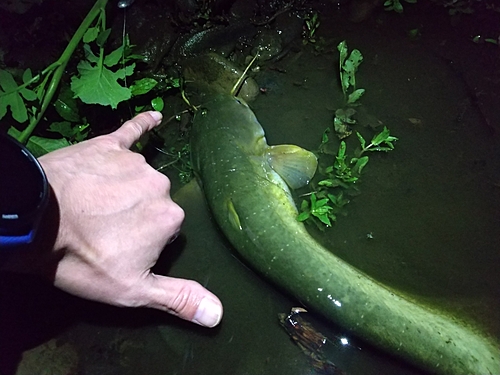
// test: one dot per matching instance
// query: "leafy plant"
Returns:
(316, 208)
(96, 82)
(339, 179)
(348, 66)
(311, 24)
(396, 5)
(14, 96)
(100, 79)
(380, 142)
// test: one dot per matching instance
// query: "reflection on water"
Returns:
(430, 207)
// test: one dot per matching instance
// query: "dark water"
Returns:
(431, 206)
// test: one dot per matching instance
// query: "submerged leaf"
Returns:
(384, 137)
(354, 96)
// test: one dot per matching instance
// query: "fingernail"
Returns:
(209, 313)
(156, 115)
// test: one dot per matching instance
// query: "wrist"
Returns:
(25, 217)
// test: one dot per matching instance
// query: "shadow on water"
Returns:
(431, 206)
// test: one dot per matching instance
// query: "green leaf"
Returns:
(324, 137)
(359, 164)
(324, 219)
(80, 134)
(361, 140)
(342, 148)
(102, 37)
(398, 7)
(345, 81)
(10, 97)
(99, 86)
(129, 69)
(143, 86)
(28, 94)
(342, 48)
(66, 106)
(14, 133)
(40, 146)
(91, 34)
(354, 96)
(356, 58)
(303, 216)
(89, 54)
(27, 76)
(63, 128)
(313, 201)
(174, 82)
(157, 104)
(383, 137)
(304, 205)
(320, 203)
(329, 182)
(114, 57)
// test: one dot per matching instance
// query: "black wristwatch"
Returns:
(24, 193)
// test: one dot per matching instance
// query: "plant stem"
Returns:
(59, 67)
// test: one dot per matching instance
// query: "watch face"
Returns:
(23, 187)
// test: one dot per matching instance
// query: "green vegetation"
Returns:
(311, 24)
(338, 180)
(396, 5)
(348, 66)
(179, 158)
(100, 79)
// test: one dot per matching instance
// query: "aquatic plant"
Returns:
(348, 66)
(311, 24)
(339, 179)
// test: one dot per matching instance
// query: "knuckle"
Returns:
(186, 301)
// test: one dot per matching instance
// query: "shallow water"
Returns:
(431, 205)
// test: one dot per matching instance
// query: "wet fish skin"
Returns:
(254, 208)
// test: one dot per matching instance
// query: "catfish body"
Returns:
(243, 180)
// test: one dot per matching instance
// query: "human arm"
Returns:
(109, 218)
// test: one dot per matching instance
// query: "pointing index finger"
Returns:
(133, 129)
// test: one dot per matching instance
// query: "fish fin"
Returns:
(294, 164)
(232, 215)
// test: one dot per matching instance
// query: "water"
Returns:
(431, 206)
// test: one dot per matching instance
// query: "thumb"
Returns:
(186, 299)
(133, 129)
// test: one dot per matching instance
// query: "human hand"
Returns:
(115, 217)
